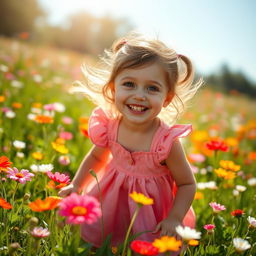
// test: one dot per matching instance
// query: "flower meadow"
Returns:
(43, 138)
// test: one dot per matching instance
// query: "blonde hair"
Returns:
(135, 51)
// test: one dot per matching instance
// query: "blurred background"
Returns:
(219, 36)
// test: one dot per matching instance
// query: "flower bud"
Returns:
(13, 248)
(26, 196)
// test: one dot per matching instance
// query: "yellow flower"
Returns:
(60, 148)
(227, 175)
(166, 243)
(229, 165)
(232, 141)
(193, 242)
(141, 199)
(37, 155)
(199, 136)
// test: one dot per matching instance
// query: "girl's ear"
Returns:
(168, 99)
(112, 88)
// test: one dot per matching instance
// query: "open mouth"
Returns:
(137, 108)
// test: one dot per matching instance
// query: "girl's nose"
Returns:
(140, 95)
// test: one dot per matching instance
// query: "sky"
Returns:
(210, 32)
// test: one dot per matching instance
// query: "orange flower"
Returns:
(44, 119)
(252, 156)
(24, 35)
(37, 105)
(2, 98)
(60, 141)
(198, 195)
(84, 125)
(5, 204)
(48, 203)
(52, 185)
(83, 120)
(16, 105)
(4, 163)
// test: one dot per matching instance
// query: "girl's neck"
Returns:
(140, 128)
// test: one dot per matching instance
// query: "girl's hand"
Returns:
(167, 227)
(65, 191)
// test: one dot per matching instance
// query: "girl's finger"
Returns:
(156, 229)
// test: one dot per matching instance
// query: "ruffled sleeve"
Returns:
(169, 135)
(98, 128)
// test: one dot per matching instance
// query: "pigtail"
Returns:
(189, 68)
(185, 89)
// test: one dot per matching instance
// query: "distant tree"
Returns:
(226, 81)
(17, 16)
(108, 30)
(84, 32)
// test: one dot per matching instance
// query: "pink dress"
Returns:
(126, 172)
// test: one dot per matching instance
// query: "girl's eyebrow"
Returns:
(148, 81)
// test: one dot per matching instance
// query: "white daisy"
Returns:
(19, 144)
(188, 233)
(241, 244)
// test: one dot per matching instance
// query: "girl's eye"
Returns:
(128, 84)
(153, 88)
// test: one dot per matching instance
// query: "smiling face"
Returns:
(140, 93)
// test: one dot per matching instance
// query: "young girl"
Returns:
(142, 90)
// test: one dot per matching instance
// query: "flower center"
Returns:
(19, 175)
(79, 210)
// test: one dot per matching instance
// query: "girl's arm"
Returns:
(94, 159)
(185, 181)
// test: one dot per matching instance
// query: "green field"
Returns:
(42, 123)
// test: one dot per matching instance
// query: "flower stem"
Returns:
(129, 229)
(14, 192)
(100, 198)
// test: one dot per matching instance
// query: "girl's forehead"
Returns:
(152, 71)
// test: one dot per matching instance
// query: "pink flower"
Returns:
(20, 176)
(64, 160)
(80, 208)
(217, 207)
(6, 109)
(67, 120)
(66, 135)
(196, 158)
(59, 177)
(40, 232)
(49, 107)
(209, 227)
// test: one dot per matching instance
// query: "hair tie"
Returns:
(120, 45)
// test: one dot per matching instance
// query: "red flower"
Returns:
(4, 163)
(144, 248)
(237, 213)
(5, 204)
(217, 144)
